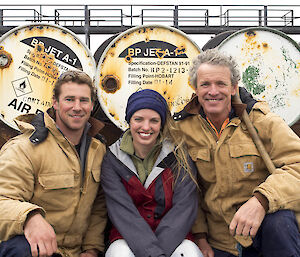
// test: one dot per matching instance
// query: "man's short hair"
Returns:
(214, 57)
(78, 77)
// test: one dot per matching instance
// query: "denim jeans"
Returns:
(278, 236)
(17, 246)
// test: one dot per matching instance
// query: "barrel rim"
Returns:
(275, 31)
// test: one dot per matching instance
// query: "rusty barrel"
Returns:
(269, 62)
(31, 59)
(155, 57)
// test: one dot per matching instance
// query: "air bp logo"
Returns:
(21, 86)
(248, 167)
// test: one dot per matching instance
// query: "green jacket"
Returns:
(231, 169)
(47, 177)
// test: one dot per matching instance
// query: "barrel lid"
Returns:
(153, 56)
(31, 59)
(269, 62)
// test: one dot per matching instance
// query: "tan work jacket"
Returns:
(47, 177)
(231, 170)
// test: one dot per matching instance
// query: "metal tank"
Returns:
(217, 39)
(154, 56)
(269, 61)
(31, 59)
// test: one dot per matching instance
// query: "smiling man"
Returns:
(50, 199)
(243, 208)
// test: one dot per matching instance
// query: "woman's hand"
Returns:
(204, 247)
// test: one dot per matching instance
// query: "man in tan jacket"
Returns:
(244, 210)
(51, 203)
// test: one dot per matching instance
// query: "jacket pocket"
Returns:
(246, 162)
(200, 154)
(242, 150)
(56, 181)
(203, 160)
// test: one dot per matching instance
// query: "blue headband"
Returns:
(146, 99)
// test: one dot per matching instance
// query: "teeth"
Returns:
(145, 134)
(213, 100)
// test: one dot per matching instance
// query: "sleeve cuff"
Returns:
(200, 235)
(263, 200)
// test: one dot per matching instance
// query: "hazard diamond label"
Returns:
(21, 86)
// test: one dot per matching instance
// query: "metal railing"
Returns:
(192, 19)
(134, 15)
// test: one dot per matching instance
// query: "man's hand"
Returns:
(248, 218)
(204, 247)
(90, 253)
(40, 235)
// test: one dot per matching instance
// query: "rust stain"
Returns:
(110, 84)
(114, 114)
(160, 53)
(296, 92)
(128, 58)
(5, 58)
(265, 45)
(45, 61)
(180, 50)
(250, 36)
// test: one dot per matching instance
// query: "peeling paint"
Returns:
(5, 58)
(269, 63)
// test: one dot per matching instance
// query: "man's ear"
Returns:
(234, 89)
(54, 103)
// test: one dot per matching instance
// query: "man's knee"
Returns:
(278, 235)
(187, 249)
(17, 246)
(118, 248)
(280, 222)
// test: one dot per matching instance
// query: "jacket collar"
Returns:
(42, 123)
(194, 107)
(167, 147)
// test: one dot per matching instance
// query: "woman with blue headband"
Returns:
(150, 184)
